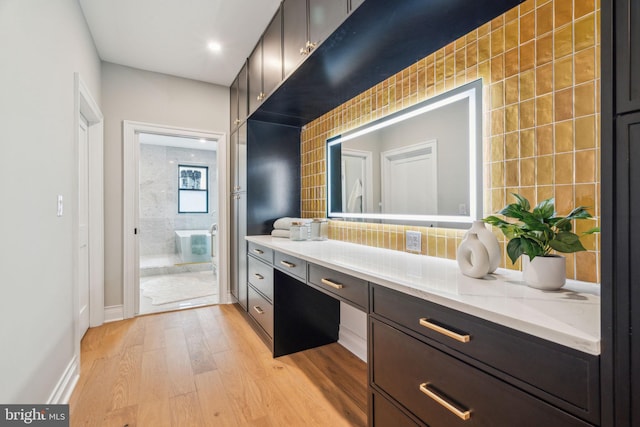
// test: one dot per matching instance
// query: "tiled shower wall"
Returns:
(159, 217)
(540, 66)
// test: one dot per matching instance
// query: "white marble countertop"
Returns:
(570, 316)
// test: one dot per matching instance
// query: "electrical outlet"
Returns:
(462, 209)
(414, 241)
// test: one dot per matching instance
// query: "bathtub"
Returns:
(193, 245)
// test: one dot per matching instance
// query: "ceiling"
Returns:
(172, 36)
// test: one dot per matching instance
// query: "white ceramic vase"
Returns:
(490, 242)
(473, 257)
(548, 273)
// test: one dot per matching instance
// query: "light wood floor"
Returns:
(207, 367)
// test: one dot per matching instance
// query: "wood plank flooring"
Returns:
(207, 367)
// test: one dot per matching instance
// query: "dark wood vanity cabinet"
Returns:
(288, 315)
(443, 366)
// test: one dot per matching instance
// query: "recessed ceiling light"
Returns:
(214, 46)
(203, 141)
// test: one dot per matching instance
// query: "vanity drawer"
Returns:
(260, 275)
(442, 390)
(261, 252)
(384, 413)
(565, 377)
(261, 310)
(291, 265)
(350, 289)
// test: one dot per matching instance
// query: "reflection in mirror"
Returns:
(421, 164)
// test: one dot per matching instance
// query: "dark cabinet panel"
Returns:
(626, 295)
(255, 77)
(445, 392)
(265, 63)
(634, 254)
(294, 31)
(238, 99)
(324, 17)
(627, 46)
(273, 174)
(243, 94)
(383, 413)
(272, 55)
(233, 105)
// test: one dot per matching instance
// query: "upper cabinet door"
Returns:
(243, 95)
(272, 54)
(294, 25)
(324, 17)
(238, 99)
(255, 78)
(627, 46)
(233, 105)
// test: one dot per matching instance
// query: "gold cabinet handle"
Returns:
(258, 276)
(333, 284)
(444, 331)
(464, 415)
(287, 264)
(237, 121)
(258, 251)
(258, 309)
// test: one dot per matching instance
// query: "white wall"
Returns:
(136, 95)
(42, 44)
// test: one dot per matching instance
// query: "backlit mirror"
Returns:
(422, 164)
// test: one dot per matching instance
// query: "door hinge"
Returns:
(135, 230)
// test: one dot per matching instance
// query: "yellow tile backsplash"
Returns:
(540, 65)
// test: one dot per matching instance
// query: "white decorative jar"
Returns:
(473, 257)
(548, 273)
(490, 242)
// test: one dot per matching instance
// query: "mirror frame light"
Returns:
(472, 91)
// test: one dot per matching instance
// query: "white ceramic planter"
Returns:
(548, 273)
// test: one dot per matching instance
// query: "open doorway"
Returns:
(178, 217)
(174, 208)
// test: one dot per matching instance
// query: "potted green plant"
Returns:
(535, 233)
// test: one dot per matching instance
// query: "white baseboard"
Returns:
(353, 342)
(63, 389)
(113, 313)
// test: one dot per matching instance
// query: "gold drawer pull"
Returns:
(258, 276)
(258, 309)
(332, 284)
(287, 264)
(465, 415)
(258, 251)
(462, 338)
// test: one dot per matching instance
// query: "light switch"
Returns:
(60, 205)
(414, 241)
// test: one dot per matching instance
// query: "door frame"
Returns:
(367, 160)
(86, 106)
(130, 254)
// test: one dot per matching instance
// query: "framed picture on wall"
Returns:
(193, 192)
